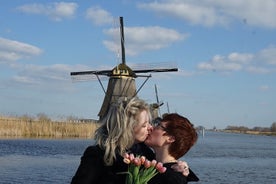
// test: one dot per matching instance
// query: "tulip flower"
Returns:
(147, 164)
(141, 170)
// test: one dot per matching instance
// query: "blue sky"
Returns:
(225, 52)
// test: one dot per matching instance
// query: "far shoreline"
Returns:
(250, 132)
(11, 137)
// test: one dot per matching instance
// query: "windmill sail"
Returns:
(121, 78)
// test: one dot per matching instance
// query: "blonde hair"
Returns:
(116, 133)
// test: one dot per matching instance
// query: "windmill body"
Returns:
(121, 84)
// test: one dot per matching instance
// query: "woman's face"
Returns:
(157, 137)
(142, 130)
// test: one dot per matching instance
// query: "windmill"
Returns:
(155, 107)
(121, 78)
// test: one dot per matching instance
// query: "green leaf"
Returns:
(136, 172)
(129, 179)
(147, 174)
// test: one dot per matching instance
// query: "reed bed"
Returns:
(20, 128)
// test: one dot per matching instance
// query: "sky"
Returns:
(225, 52)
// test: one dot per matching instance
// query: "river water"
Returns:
(217, 158)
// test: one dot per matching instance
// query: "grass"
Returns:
(20, 128)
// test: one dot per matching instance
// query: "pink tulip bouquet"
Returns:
(141, 170)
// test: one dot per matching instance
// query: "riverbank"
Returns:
(250, 132)
(19, 128)
(11, 127)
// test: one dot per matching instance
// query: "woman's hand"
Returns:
(181, 166)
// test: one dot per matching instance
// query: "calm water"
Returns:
(217, 158)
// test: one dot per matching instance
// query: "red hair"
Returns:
(183, 131)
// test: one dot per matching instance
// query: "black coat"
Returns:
(170, 176)
(92, 169)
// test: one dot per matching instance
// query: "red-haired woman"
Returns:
(171, 138)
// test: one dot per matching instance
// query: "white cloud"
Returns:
(187, 10)
(8, 56)
(24, 80)
(213, 12)
(243, 58)
(254, 12)
(220, 63)
(48, 76)
(140, 39)
(12, 50)
(257, 69)
(56, 11)
(261, 62)
(264, 88)
(37, 75)
(268, 55)
(99, 16)
(53, 72)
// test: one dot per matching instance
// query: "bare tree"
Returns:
(43, 117)
(273, 127)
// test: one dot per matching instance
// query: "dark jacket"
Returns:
(170, 176)
(92, 169)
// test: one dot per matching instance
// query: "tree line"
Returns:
(272, 128)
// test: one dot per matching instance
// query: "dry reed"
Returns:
(20, 128)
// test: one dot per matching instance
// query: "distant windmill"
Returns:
(121, 78)
(168, 108)
(155, 107)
